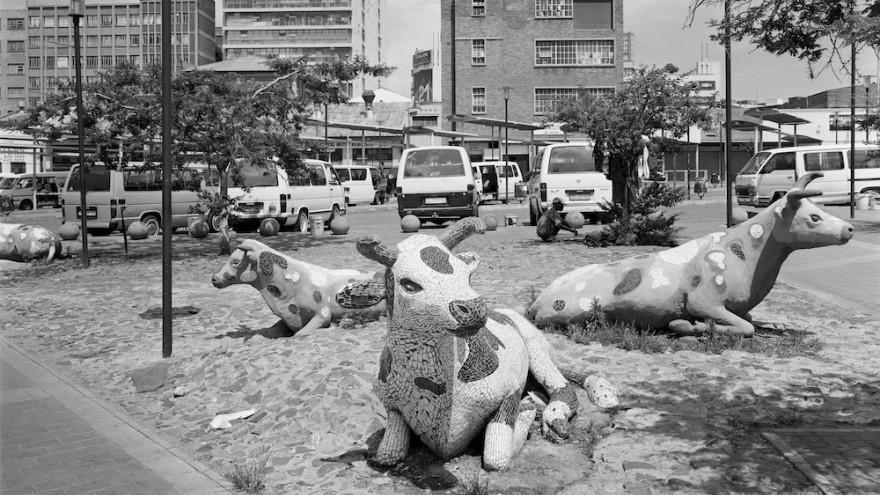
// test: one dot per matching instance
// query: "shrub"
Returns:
(249, 475)
(643, 226)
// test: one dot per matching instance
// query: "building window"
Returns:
(478, 8)
(134, 40)
(33, 83)
(33, 41)
(121, 59)
(15, 46)
(14, 25)
(63, 21)
(63, 62)
(34, 21)
(121, 20)
(106, 40)
(546, 99)
(92, 40)
(92, 61)
(50, 62)
(64, 41)
(478, 52)
(15, 92)
(134, 59)
(16, 68)
(120, 39)
(552, 9)
(33, 62)
(106, 20)
(48, 41)
(593, 14)
(582, 53)
(106, 60)
(478, 100)
(91, 21)
(49, 21)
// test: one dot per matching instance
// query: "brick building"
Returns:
(37, 42)
(542, 49)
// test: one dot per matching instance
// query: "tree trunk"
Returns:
(624, 182)
(224, 215)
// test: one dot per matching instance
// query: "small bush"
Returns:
(249, 475)
(643, 226)
(473, 483)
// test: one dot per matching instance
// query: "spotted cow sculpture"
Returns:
(23, 242)
(305, 296)
(716, 279)
(451, 368)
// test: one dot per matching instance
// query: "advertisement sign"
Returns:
(423, 86)
(840, 122)
(422, 60)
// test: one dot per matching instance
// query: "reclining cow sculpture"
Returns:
(717, 278)
(23, 242)
(451, 365)
(305, 296)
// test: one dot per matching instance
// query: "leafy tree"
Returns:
(653, 102)
(813, 31)
(643, 225)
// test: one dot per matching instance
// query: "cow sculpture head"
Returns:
(239, 268)
(801, 224)
(427, 287)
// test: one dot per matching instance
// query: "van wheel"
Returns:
(213, 222)
(152, 223)
(26, 204)
(302, 221)
(776, 197)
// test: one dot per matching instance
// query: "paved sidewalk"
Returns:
(58, 438)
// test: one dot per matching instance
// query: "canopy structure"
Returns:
(469, 119)
(780, 119)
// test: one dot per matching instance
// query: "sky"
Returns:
(660, 38)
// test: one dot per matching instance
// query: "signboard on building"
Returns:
(423, 77)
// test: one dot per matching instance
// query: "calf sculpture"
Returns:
(717, 278)
(451, 367)
(22, 242)
(305, 296)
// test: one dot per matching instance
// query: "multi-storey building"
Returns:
(38, 45)
(543, 50)
(320, 29)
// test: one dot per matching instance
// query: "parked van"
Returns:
(115, 199)
(568, 171)
(769, 174)
(436, 183)
(363, 183)
(494, 177)
(266, 193)
(21, 188)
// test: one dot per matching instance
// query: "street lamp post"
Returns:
(77, 11)
(836, 126)
(506, 91)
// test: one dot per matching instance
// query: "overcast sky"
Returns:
(660, 38)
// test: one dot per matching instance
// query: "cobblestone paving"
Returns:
(837, 460)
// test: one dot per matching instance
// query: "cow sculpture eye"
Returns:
(410, 286)
(815, 218)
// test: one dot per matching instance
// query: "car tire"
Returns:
(26, 204)
(152, 223)
(213, 222)
(302, 221)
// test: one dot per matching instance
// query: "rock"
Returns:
(630, 465)
(150, 378)
(181, 391)
(222, 421)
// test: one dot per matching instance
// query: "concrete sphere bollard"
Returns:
(198, 228)
(269, 227)
(137, 230)
(739, 215)
(69, 231)
(340, 225)
(410, 223)
(491, 222)
(575, 220)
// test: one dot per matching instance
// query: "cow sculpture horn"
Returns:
(372, 248)
(806, 179)
(460, 230)
(800, 191)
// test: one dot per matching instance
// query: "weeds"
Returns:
(474, 483)
(785, 417)
(249, 475)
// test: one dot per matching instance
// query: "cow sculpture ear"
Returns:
(471, 259)
(249, 274)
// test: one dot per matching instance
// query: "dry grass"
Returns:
(474, 483)
(249, 475)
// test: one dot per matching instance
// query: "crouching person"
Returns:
(551, 222)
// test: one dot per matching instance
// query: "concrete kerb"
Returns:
(167, 461)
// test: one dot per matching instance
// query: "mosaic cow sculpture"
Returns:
(22, 242)
(451, 367)
(305, 296)
(717, 278)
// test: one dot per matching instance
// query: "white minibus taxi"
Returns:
(436, 183)
(498, 181)
(20, 187)
(769, 174)
(362, 182)
(568, 171)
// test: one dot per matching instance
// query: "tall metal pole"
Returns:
(76, 13)
(166, 179)
(852, 133)
(507, 170)
(727, 115)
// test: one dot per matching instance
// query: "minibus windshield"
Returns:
(433, 163)
(6, 182)
(751, 167)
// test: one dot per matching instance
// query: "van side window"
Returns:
(343, 174)
(867, 159)
(317, 176)
(779, 161)
(96, 179)
(358, 174)
(143, 180)
(826, 160)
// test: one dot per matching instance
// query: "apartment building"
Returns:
(320, 29)
(543, 50)
(37, 51)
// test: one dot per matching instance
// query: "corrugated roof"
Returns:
(249, 63)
